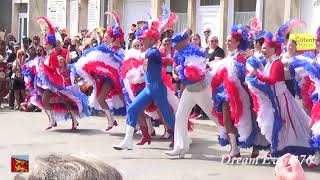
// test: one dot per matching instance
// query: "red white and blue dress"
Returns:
(227, 86)
(99, 65)
(283, 122)
(43, 74)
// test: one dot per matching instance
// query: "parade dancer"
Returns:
(155, 90)
(100, 67)
(231, 99)
(190, 66)
(288, 131)
(59, 98)
(132, 74)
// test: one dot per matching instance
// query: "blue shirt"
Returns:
(154, 68)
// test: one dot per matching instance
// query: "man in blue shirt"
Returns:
(155, 91)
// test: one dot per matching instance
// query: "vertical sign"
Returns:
(92, 14)
(74, 17)
(56, 13)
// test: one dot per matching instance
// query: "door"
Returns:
(23, 26)
(135, 10)
(207, 15)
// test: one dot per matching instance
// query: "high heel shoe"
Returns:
(146, 138)
(177, 152)
(74, 127)
(114, 124)
(255, 153)
(51, 126)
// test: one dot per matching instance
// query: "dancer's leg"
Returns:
(104, 92)
(146, 138)
(46, 96)
(231, 131)
(181, 125)
(162, 103)
(138, 105)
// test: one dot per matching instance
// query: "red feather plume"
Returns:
(115, 16)
(50, 27)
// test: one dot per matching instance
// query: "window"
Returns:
(244, 11)
(245, 5)
(179, 6)
(209, 2)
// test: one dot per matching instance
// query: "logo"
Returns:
(19, 163)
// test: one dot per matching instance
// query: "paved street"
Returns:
(23, 133)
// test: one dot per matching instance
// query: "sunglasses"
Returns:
(40, 50)
(207, 31)
(166, 44)
(213, 40)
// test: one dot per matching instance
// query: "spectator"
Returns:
(167, 52)
(131, 34)
(196, 40)
(207, 33)
(31, 54)
(63, 32)
(66, 42)
(213, 52)
(3, 77)
(11, 59)
(3, 49)
(18, 81)
(41, 52)
(26, 43)
(75, 167)
(35, 42)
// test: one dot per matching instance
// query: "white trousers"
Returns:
(187, 102)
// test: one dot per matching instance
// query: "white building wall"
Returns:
(310, 14)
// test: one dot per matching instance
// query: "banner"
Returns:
(305, 42)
